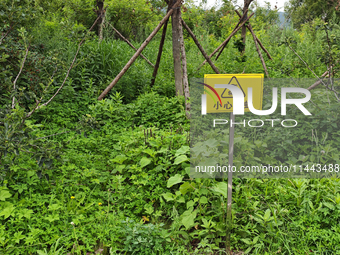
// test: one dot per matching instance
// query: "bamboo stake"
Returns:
(130, 44)
(141, 48)
(258, 40)
(160, 51)
(200, 48)
(231, 35)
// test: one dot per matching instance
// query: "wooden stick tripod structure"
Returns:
(174, 10)
(242, 24)
(181, 79)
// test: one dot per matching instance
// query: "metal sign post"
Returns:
(228, 99)
(230, 182)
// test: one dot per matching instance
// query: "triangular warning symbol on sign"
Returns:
(228, 94)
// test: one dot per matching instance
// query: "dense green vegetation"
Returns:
(81, 176)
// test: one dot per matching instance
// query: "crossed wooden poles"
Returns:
(171, 9)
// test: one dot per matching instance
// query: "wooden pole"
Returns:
(175, 20)
(160, 51)
(227, 40)
(244, 29)
(322, 76)
(259, 52)
(130, 44)
(141, 48)
(200, 47)
(100, 11)
(184, 68)
(238, 23)
(230, 182)
(258, 40)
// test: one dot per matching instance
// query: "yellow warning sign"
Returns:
(221, 99)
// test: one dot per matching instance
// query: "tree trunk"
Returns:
(175, 19)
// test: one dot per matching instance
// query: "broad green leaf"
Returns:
(174, 180)
(203, 200)
(148, 209)
(187, 170)
(190, 204)
(184, 149)
(329, 205)
(221, 188)
(25, 213)
(181, 200)
(4, 194)
(212, 143)
(256, 238)
(248, 250)
(149, 152)
(40, 252)
(180, 159)
(119, 159)
(189, 220)
(8, 210)
(247, 241)
(54, 207)
(185, 188)
(168, 196)
(119, 168)
(144, 162)
(266, 215)
(52, 218)
(18, 236)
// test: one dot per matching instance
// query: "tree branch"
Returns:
(321, 81)
(68, 71)
(16, 79)
(2, 38)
